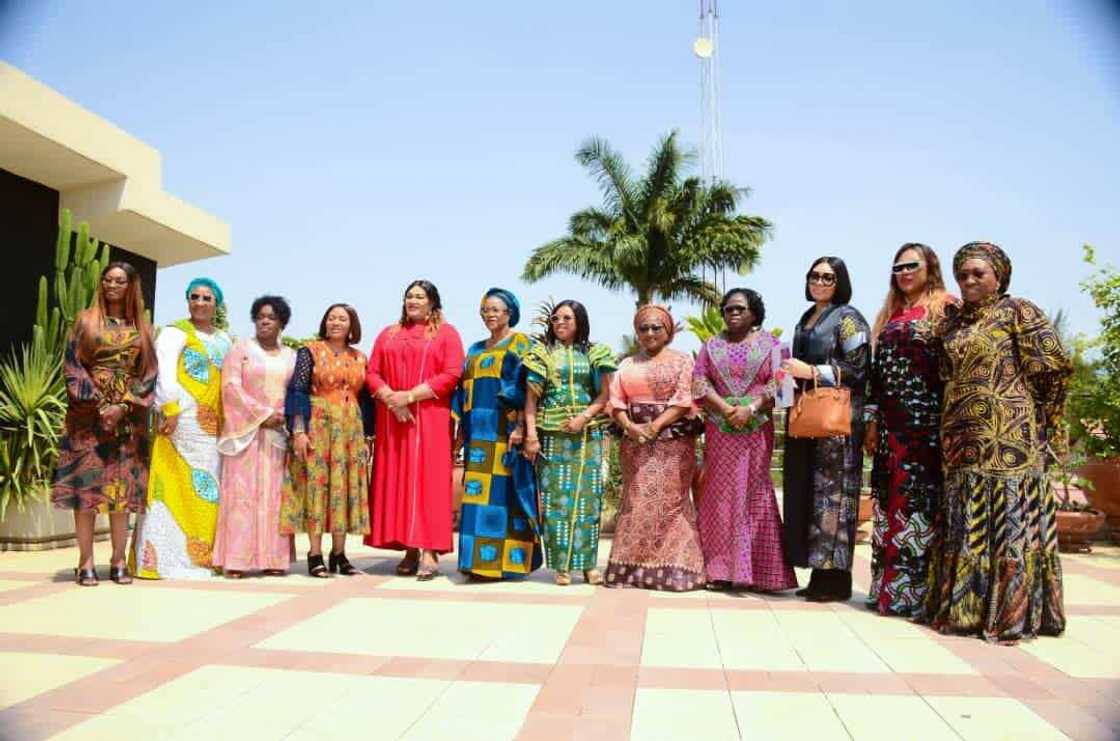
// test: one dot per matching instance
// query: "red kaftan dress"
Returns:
(410, 499)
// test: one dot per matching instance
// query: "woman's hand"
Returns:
(111, 416)
(797, 368)
(871, 438)
(397, 400)
(169, 425)
(275, 421)
(741, 416)
(402, 413)
(516, 437)
(301, 443)
(576, 423)
(532, 448)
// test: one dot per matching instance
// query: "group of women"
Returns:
(958, 402)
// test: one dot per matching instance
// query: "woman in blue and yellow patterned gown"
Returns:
(568, 383)
(498, 517)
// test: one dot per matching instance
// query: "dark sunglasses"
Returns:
(643, 329)
(975, 274)
(825, 279)
(734, 309)
(204, 298)
(906, 267)
(561, 319)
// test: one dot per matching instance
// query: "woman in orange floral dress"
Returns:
(330, 414)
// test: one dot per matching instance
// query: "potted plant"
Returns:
(1094, 398)
(1078, 521)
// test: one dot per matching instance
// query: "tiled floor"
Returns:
(378, 656)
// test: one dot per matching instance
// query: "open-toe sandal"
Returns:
(316, 567)
(119, 575)
(86, 577)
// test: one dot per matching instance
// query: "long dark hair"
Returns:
(583, 325)
(435, 318)
(843, 292)
(90, 321)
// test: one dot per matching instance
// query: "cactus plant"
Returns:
(76, 272)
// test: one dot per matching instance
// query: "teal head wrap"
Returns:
(511, 302)
(219, 299)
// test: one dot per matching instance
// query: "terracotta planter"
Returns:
(1105, 493)
(1076, 530)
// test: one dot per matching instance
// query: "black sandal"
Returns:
(316, 567)
(86, 577)
(408, 565)
(119, 575)
(340, 563)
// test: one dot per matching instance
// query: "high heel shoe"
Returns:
(119, 575)
(338, 562)
(86, 577)
(316, 567)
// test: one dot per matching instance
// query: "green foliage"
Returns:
(705, 325)
(1094, 398)
(654, 235)
(295, 342)
(32, 410)
(77, 269)
(541, 314)
(221, 318)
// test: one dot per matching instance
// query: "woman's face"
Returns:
(267, 325)
(737, 316)
(564, 324)
(495, 314)
(201, 304)
(114, 285)
(338, 324)
(417, 306)
(976, 279)
(652, 335)
(822, 282)
(910, 273)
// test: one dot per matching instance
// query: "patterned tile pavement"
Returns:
(378, 656)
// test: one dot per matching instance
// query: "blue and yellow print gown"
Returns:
(498, 517)
(570, 469)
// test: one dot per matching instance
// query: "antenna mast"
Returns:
(706, 49)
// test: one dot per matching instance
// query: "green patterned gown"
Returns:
(570, 468)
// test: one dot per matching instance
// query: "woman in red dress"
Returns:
(413, 371)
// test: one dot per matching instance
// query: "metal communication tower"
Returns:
(706, 48)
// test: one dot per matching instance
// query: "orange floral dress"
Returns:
(329, 491)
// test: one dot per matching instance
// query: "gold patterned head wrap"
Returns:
(662, 315)
(989, 253)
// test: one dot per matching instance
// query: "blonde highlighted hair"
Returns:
(91, 321)
(934, 298)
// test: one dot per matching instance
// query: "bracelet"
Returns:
(410, 398)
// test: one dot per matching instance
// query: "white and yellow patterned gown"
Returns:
(175, 536)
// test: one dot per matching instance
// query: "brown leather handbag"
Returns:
(822, 411)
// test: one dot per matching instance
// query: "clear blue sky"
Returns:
(355, 149)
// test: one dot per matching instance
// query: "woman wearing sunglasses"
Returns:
(175, 536)
(110, 373)
(568, 383)
(903, 415)
(656, 545)
(498, 518)
(822, 477)
(736, 380)
(996, 571)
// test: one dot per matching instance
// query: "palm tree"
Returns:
(655, 235)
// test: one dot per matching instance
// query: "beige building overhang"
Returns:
(103, 175)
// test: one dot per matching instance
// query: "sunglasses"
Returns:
(490, 311)
(825, 279)
(654, 328)
(203, 298)
(561, 319)
(906, 267)
(734, 309)
(114, 282)
(977, 274)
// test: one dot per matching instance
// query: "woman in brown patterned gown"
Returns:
(110, 370)
(656, 543)
(995, 571)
